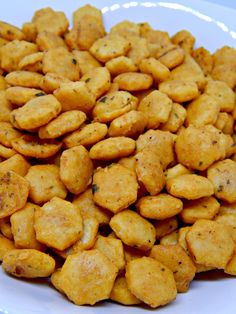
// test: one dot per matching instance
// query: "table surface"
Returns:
(226, 3)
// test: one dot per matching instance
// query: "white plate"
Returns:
(213, 26)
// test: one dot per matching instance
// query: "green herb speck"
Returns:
(103, 99)
(94, 188)
(40, 94)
